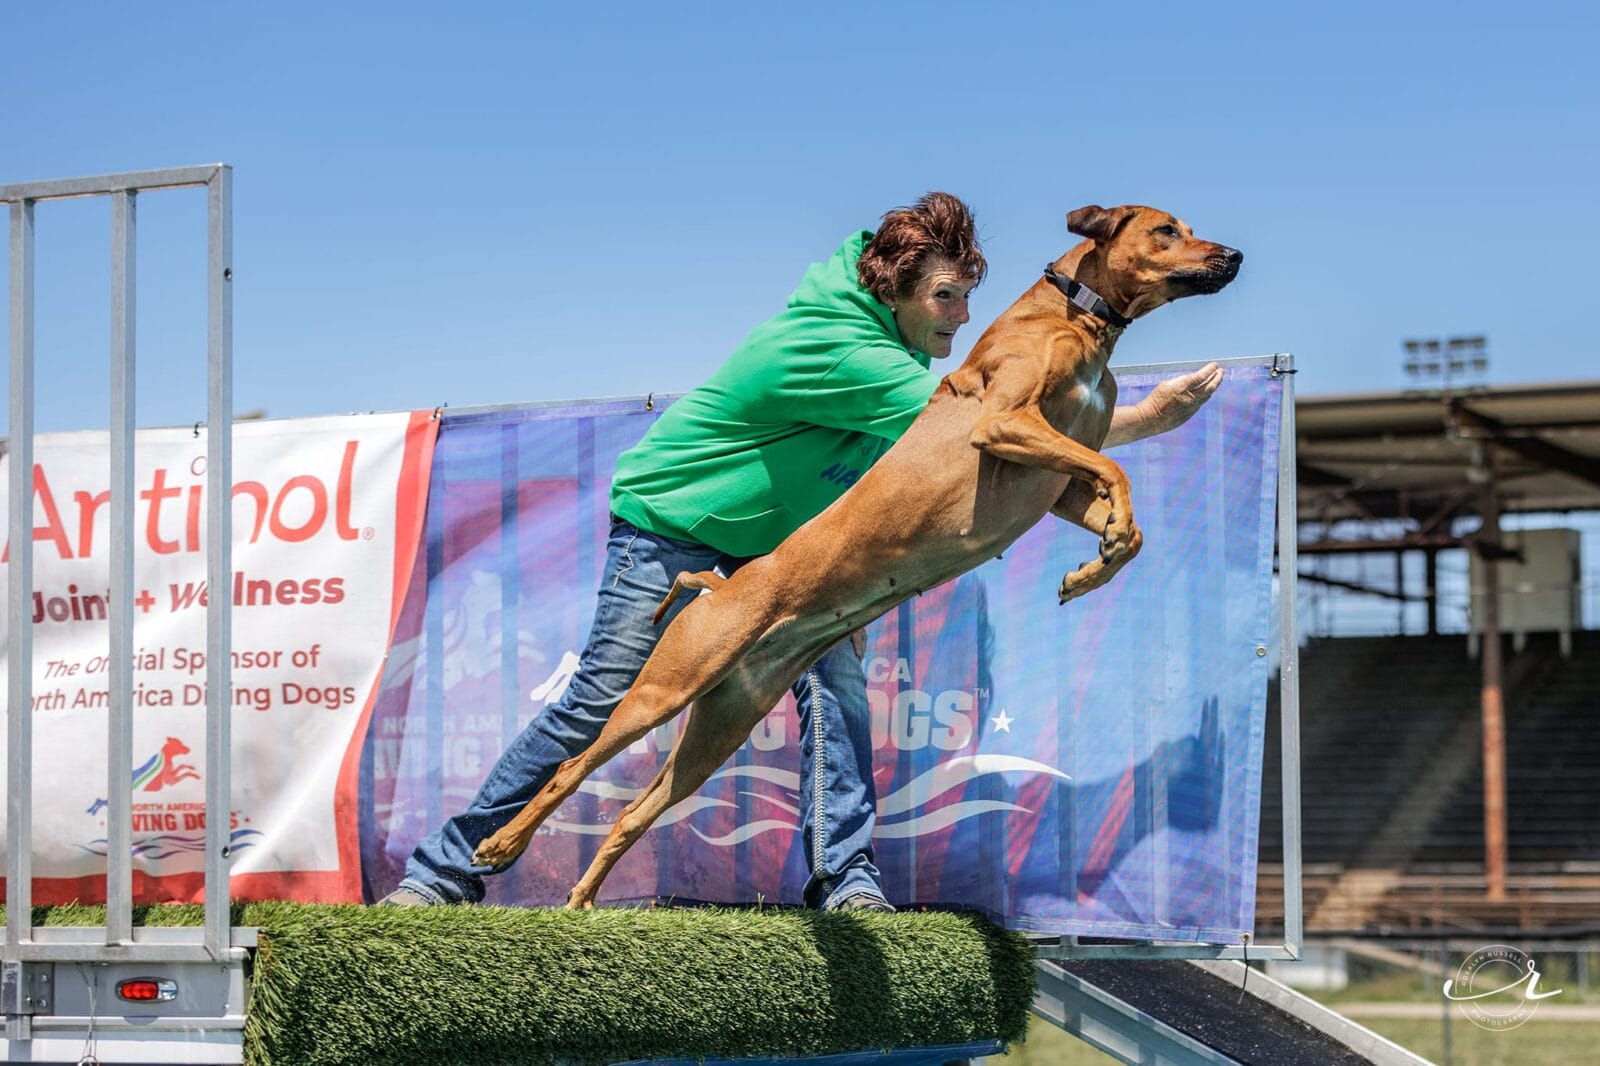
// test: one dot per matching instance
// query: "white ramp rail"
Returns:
(64, 991)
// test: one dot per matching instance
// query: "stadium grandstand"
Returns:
(1450, 667)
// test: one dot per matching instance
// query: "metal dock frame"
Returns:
(1100, 1017)
(48, 1017)
(1281, 366)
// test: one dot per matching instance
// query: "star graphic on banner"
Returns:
(1001, 722)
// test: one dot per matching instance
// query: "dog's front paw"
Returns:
(1120, 542)
(499, 850)
(1081, 580)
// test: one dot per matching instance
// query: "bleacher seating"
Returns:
(1316, 881)
(1371, 710)
(1562, 901)
(1380, 719)
(1552, 769)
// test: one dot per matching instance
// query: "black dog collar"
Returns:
(1084, 298)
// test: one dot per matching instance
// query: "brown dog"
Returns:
(1010, 436)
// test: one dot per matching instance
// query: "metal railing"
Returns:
(120, 941)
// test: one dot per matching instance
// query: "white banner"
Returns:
(326, 517)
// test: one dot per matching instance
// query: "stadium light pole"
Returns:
(1460, 364)
(1494, 724)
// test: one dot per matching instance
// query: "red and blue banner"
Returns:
(327, 516)
(1092, 769)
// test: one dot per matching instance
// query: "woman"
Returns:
(810, 400)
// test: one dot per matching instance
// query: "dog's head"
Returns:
(1142, 258)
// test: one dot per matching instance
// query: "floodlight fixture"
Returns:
(1454, 364)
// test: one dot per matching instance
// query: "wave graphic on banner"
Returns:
(955, 773)
(169, 844)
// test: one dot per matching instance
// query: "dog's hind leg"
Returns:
(502, 848)
(720, 721)
(701, 645)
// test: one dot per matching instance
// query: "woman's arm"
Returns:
(1169, 405)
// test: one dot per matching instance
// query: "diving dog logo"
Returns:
(179, 829)
(163, 768)
(159, 771)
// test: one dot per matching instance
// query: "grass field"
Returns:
(1538, 1043)
(1404, 986)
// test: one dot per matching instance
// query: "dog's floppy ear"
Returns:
(1097, 223)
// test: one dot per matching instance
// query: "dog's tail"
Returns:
(706, 580)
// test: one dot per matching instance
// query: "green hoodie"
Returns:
(795, 416)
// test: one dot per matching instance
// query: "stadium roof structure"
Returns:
(1415, 461)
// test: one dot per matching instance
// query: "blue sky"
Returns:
(501, 202)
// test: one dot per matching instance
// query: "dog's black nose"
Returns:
(1232, 256)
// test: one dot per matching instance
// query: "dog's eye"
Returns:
(1168, 230)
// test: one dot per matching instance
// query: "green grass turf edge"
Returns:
(342, 984)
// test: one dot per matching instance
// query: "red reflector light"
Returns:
(147, 990)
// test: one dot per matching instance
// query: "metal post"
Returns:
(1494, 738)
(1402, 601)
(219, 553)
(1431, 559)
(1444, 1000)
(119, 749)
(19, 719)
(1289, 663)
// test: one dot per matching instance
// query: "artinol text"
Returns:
(173, 511)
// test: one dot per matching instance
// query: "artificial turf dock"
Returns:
(430, 986)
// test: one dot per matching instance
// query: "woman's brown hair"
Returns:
(938, 225)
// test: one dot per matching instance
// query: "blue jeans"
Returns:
(837, 794)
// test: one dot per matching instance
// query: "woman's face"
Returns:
(935, 308)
